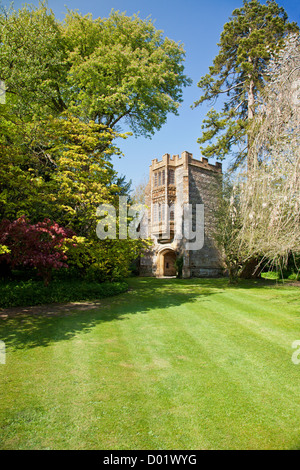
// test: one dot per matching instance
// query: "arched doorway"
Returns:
(165, 260)
(169, 263)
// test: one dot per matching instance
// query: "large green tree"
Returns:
(69, 87)
(250, 37)
(122, 68)
(71, 83)
(108, 70)
(103, 71)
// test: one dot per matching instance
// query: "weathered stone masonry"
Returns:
(177, 181)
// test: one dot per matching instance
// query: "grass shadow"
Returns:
(31, 327)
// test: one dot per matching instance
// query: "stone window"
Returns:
(159, 178)
(155, 212)
(161, 212)
(158, 212)
(171, 177)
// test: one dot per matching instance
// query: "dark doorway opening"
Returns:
(169, 263)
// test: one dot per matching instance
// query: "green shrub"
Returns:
(278, 275)
(26, 293)
(270, 275)
(97, 273)
(294, 276)
(179, 266)
(103, 260)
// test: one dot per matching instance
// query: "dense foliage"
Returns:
(33, 292)
(105, 69)
(34, 245)
(69, 87)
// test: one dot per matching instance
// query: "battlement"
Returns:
(185, 159)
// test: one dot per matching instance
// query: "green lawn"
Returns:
(172, 364)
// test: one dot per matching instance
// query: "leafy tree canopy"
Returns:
(104, 69)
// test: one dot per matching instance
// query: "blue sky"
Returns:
(198, 25)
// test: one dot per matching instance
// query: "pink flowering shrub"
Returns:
(37, 245)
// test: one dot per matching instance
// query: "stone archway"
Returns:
(166, 263)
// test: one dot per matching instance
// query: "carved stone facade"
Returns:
(177, 184)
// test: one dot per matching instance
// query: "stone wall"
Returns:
(204, 185)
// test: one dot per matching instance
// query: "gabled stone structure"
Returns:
(175, 182)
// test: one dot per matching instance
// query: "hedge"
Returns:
(31, 292)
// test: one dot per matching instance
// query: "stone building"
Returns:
(180, 200)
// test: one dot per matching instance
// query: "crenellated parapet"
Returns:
(184, 160)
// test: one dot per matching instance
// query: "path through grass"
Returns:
(172, 364)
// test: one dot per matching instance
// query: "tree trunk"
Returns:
(250, 116)
(233, 269)
(249, 270)
(250, 162)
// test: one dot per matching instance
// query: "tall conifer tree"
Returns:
(250, 37)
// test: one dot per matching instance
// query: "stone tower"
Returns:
(174, 184)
